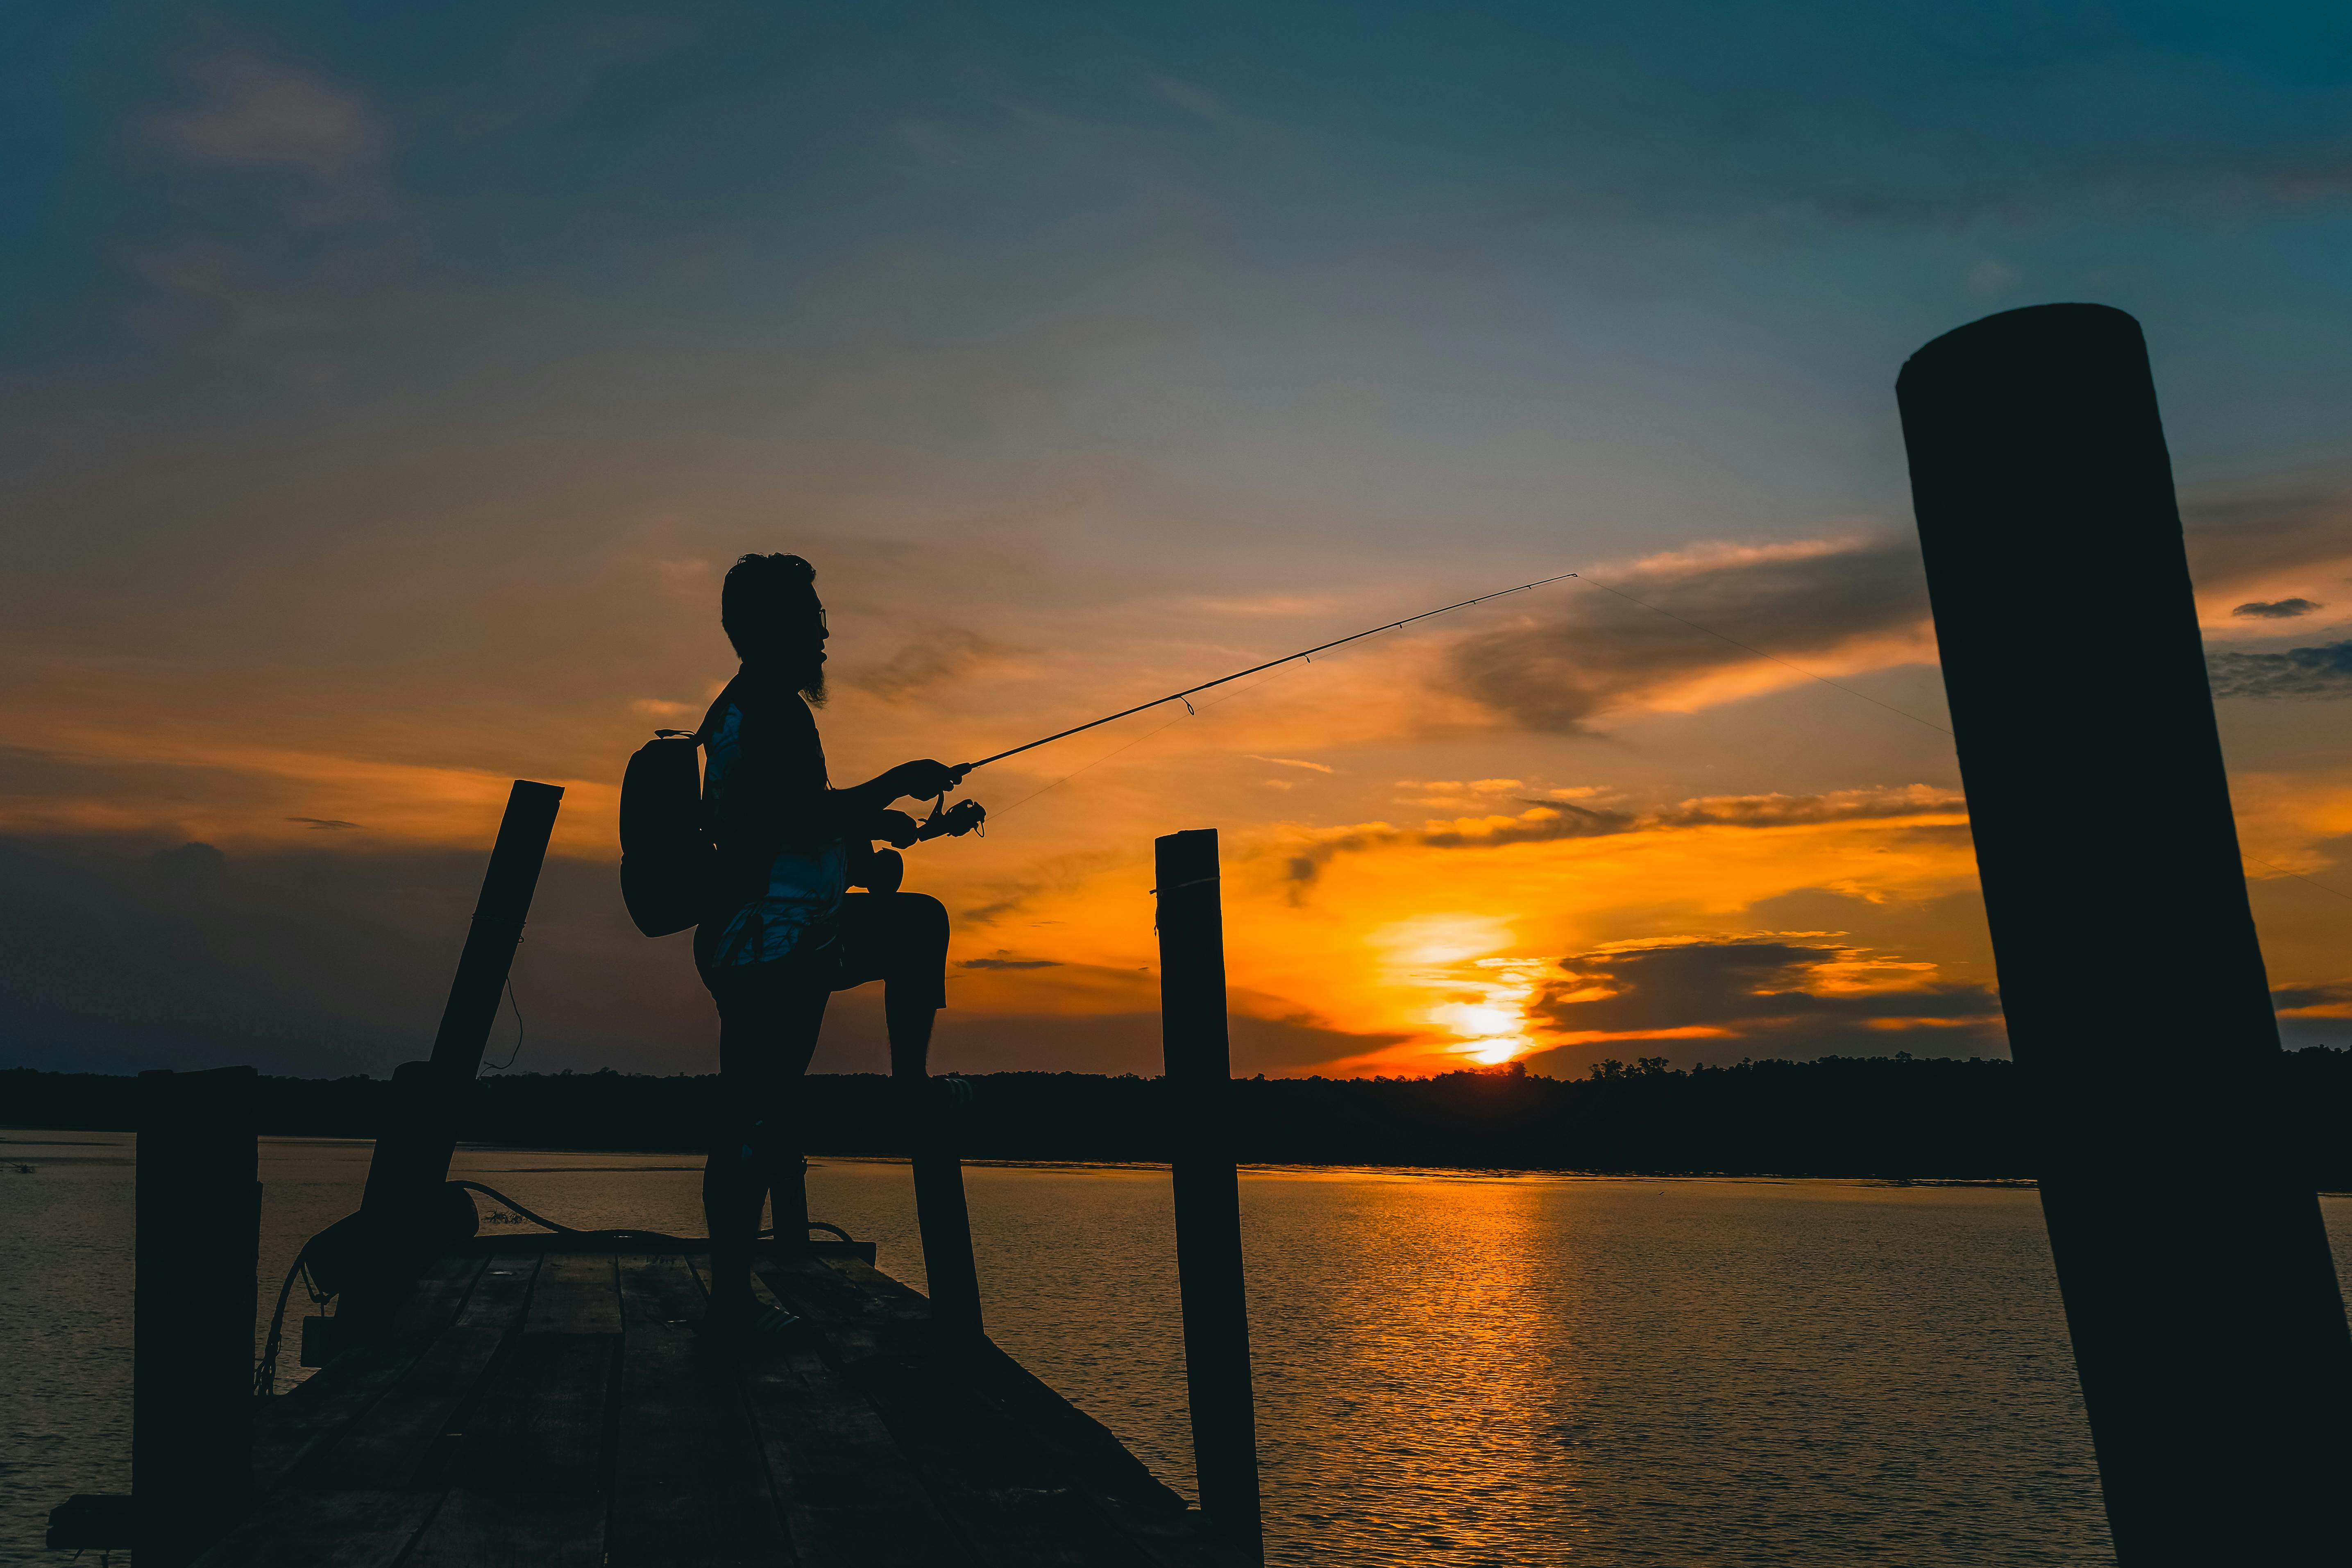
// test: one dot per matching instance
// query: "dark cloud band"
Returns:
(2299, 672)
(1599, 653)
(1582, 822)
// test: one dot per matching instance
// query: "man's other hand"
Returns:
(895, 828)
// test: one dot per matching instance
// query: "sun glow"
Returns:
(1467, 989)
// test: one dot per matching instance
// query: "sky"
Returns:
(385, 388)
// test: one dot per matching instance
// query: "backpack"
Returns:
(669, 866)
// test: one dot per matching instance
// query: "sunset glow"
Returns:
(389, 425)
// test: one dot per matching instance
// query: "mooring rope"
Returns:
(265, 1371)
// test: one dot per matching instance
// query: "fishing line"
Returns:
(1106, 756)
(1307, 654)
(2299, 876)
(1930, 723)
(1253, 670)
(1760, 653)
(501, 1066)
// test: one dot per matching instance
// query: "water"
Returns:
(1452, 1370)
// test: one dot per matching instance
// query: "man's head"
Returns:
(770, 610)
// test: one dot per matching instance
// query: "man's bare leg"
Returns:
(913, 991)
(768, 1030)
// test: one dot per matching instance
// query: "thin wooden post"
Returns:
(2207, 1326)
(198, 1203)
(413, 1155)
(480, 982)
(372, 1257)
(945, 1221)
(1207, 1191)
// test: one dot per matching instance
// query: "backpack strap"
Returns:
(700, 735)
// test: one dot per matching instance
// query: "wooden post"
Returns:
(945, 1221)
(1207, 1192)
(480, 982)
(2207, 1327)
(198, 1245)
(406, 1204)
(412, 1154)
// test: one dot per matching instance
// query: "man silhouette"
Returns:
(788, 933)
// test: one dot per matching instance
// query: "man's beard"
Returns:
(813, 687)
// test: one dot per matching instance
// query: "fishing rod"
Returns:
(1253, 670)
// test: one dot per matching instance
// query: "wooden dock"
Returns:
(544, 1402)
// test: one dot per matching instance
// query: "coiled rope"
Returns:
(265, 1371)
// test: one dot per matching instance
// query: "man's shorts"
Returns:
(898, 938)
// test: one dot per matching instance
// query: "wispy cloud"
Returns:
(1565, 820)
(929, 661)
(1798, 991)
(2300, 672)
(258, 115)
(1598, 654)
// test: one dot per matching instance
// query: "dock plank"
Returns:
(294, 1529)
(439, 1294)
(397, 1440)
(512, 1530)
(576, 1293)
(847, 1494)
(394, 1443)
(1136, 1501)
(539, 1425)
(689, 1486)
(501, 1291)
(290, 1427)
(1169, 1530)
(1005, 1494)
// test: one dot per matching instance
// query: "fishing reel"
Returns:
(953, 821)
(883, 870)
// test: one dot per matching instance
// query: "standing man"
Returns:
(787, 933)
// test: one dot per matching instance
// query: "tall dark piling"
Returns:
(1207, 1193)
(2206, 1323)
(198, 1206)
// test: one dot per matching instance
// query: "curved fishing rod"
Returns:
(1253, 670)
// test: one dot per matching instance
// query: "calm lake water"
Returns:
(1452, 1369)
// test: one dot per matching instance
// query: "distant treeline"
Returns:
(1840, 1116)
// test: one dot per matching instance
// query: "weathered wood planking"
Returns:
(541, 1405)
(689, 1486)
(1001, 1492)
(540, 1426)
(392, 1445)
(295, 1529)
(290, 1427)
(1081, 1446)
(512, 1530)
(848, 1492)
